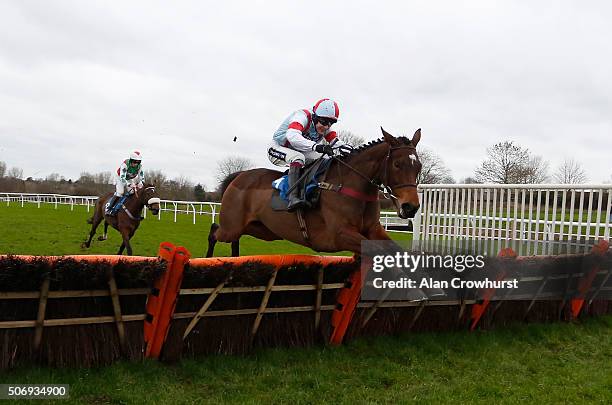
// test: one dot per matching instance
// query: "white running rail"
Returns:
(515, 213)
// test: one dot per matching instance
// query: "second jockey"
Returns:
(304, 137)
(130, 177)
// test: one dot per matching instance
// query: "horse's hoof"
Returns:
(84, 245)
(101, 238)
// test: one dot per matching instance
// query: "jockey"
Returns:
(304, 137)
(129, 175)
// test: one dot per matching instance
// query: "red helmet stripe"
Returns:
(319, 102)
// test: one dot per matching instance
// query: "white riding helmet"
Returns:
(326, 108)
(135, 155)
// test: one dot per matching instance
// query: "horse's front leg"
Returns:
(377, 232)
(349, 239)
(126, 234)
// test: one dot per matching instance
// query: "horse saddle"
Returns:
(309, 180)
(116, 204)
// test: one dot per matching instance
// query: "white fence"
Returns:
(390, 220)
(512, 215)
(504, 214)
(55, 199)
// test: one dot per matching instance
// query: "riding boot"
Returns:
(295, 201)
(110, 205)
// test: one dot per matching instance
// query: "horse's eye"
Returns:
(396, 165)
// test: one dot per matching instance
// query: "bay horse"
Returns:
(127, 219)
(348, 213)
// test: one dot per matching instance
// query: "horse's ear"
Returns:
(416, 138)
(390, 139)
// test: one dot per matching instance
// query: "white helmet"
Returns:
(326, 108)
(135, 155)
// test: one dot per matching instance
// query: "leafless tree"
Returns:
(2, 169)
(350, 138)
(570, 172)
(103, 178)
(469, 180)
(155, 177)
(54, 177)
(536, 171)
(231, 164)
(15, 173)
(508, 163)
(181, 187)
(433, 170)
(86, 178)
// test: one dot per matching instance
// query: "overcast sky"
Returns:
(83, 82)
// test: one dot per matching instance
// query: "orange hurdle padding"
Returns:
(348, 297)
(162, 300)
(156, 298)
(181, 257)
(587, 280)
(276, 260)
(478, 310)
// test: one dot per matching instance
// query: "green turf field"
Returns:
(540, 364)
(49, 231)
(551, 363)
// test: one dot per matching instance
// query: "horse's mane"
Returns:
(402, 139)
(227, 180)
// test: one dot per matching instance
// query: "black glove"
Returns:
(324, 149)
(345, 149)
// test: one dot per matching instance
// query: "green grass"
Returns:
(554, 363)
(47, 231)
(551, 363)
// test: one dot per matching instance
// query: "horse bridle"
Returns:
(382, 186)
(152, 200)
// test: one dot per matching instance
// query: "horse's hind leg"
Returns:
(105, 236)
(94, 225)
(212, 240)
(236, 248)
(126, 243)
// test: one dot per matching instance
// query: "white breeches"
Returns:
(283, 156)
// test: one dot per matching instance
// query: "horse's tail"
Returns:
(227, 180)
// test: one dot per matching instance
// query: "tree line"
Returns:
(95, 184)
(506, 163)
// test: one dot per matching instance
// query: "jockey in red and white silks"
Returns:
(303, 137)
(129, 176)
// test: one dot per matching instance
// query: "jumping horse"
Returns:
(128, 217)
(348, 211)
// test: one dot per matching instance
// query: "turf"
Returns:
(48, 231)
(550, 363)
(553, 363)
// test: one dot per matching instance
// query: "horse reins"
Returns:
(386, 190)
(127, 211)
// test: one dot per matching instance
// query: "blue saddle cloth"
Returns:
(310, 184)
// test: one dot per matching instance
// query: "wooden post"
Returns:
(112, 284)
(264, 303)
(374, 307)
(417, 314)
(319, 298)
(535, 296)
(42, 308)
(204, 308)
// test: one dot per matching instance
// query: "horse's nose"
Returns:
(409, 210)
